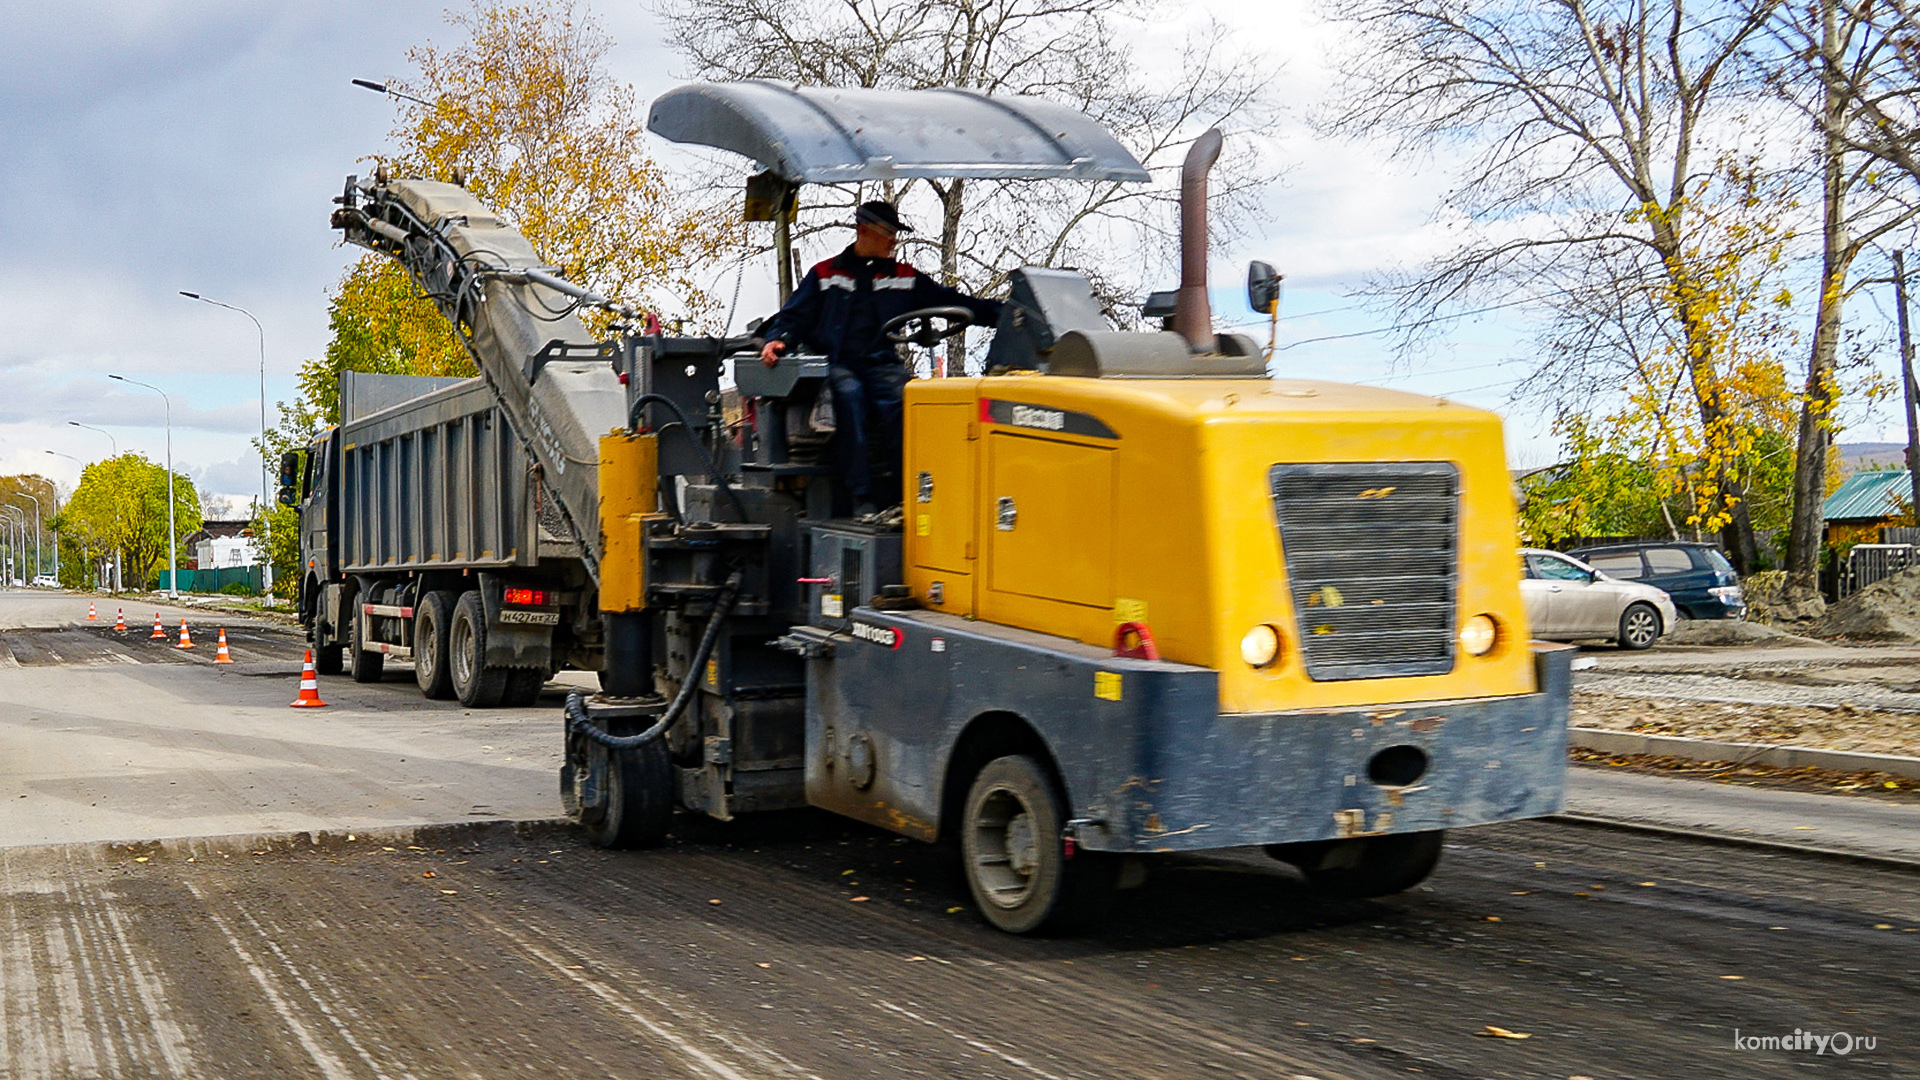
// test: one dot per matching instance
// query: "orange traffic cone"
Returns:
(309, 687)
(91, 617)
(120, 621)
(159, 632)
(221, 655)
(186, 642)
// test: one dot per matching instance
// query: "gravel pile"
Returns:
(1731, 632)
(1887, 610)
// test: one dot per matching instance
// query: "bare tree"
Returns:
(1587, 129)
(1070, 51)
(1857, 84)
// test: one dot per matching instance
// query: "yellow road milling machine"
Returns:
(1140, 596)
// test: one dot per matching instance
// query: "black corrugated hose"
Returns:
(577, 719)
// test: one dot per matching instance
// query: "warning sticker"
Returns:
(1106, 685)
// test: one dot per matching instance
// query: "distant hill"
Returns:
(1855, 457)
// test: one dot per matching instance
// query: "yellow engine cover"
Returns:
(1069, 506)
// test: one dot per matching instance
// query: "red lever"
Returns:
(814, 580)
(1143, 647)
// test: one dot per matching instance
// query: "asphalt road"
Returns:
(833, 950)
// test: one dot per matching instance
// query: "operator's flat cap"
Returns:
(881, 213)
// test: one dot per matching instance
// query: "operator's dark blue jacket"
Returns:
(842, 303)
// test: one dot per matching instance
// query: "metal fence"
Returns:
(212, 581)
(1868, 563)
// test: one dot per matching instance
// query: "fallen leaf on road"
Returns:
(142, 858)
(1882, 926)
(1522, 892)
(844, 873)
(763, 965)
(1492, 1032)
(1363, 1040)
(428, 873)
(1493, 918)
(713, 901)
(1805, 828)
(449, 892)
(858, 900)
(954, 910)
(1733, 978)
(1646, 883)
(915, 959)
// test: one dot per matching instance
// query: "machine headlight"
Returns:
(1261, 646)
(1479, 634)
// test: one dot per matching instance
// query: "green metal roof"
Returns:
(1868, 496)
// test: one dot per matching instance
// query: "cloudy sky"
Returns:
(148, 147)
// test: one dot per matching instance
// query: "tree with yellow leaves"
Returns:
(524, 109)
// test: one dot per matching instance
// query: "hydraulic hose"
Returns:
(579, 721)
(713, 468)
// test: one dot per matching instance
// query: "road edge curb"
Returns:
(424, 834)
(1706, 836)
(1773, 754)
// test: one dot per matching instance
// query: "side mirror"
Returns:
(288, 494)
(1263, 288)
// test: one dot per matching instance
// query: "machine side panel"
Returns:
(1146, 757)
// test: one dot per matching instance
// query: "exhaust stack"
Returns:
(1192, 314)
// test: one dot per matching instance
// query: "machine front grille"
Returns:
(1372, 557)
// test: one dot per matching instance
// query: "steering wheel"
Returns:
(918, 327)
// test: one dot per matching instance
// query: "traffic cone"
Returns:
(309, 687)
(159, 632)
(221, 655)
(186, 642)
(120, 621)
(91, 617)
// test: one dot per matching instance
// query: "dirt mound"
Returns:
(1730, 632)
(1887, 610)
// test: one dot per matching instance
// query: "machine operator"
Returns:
(838, 311)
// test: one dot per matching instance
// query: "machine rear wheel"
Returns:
(430, 624)
(1013, 847)
(474, 683)
(639, 804)
(364, 666)
(1365, 866)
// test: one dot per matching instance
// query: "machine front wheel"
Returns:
(1366, 866)
(364, 666)
(1013, 844)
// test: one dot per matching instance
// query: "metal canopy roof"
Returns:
(1869, 496)
(824, 135)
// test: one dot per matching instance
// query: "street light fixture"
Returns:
(173, 570)
(267, 570)
(115, 442)
(383, 88)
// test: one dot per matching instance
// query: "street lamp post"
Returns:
(266, 570)
(16, 539)
(116, 583)
(38, 561)
(56, 532)
(173, 570)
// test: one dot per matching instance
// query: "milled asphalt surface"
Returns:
(832, 950)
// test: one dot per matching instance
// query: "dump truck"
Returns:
(1141, 595)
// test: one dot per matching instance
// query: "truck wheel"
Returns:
(364, 666)
(1639, 626)
(523, 687)
(329, 660)
(430, 623)
(639, 799)
(474, 683)
(1012, 840)
(1366, 866)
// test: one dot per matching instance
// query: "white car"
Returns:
(1567, 600)
(45, 581)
